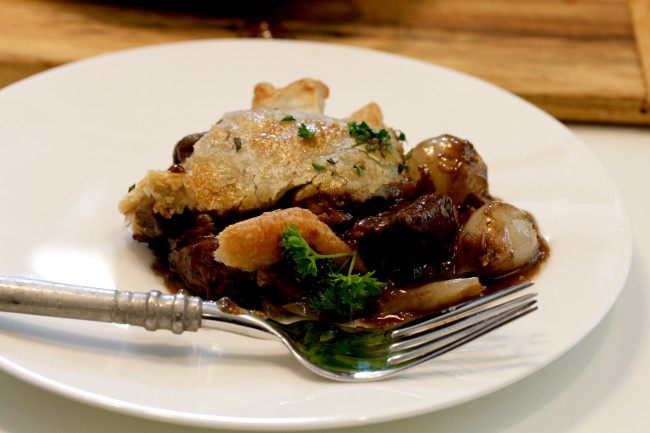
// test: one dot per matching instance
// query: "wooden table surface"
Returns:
(580, 60)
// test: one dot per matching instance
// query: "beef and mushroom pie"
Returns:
(283, 208)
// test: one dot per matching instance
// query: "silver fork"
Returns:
(327, 350)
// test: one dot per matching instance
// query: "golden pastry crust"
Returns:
(305, 95)
(255, 243)
(251, 158)
(371, 114)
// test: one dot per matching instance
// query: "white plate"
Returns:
(73, 139)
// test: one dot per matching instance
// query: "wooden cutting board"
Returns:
(580, 60)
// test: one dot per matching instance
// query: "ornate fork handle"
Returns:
(152, 310)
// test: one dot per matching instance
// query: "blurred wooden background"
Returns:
(580, 60)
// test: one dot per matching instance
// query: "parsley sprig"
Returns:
(305, 132)
(375, 140)
(404, 165)
(337, 290)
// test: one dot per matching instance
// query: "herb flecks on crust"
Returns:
(250, 159)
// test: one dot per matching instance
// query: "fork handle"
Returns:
(152, 310)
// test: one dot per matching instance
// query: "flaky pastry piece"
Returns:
(255, 243)
(304, 95)
(252, 158)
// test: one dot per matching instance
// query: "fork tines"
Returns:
(459, 325)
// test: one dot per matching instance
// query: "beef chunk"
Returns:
(412, 242)
(189, 258)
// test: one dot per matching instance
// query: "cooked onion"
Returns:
(431, 297)
(497, 239)
(449, 165)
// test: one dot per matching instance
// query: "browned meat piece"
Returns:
(191, 260)
(411, 242)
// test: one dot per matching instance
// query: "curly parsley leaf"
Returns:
(341, 293)
(305, 132)
(296, 248)
(404, 165)
(346, 294)
(375, 140)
